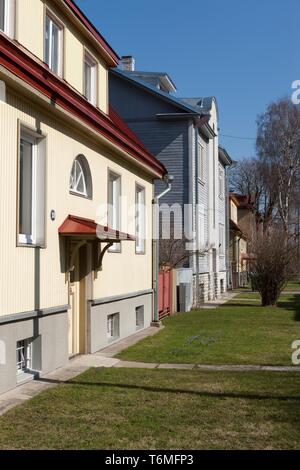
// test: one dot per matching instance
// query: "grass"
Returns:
(240, 332)
(293, 286)
(160, 409)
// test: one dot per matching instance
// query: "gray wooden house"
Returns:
(183, 134)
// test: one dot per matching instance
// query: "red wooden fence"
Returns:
(165, 293)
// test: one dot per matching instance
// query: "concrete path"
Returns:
(220, 301)
(212, 367)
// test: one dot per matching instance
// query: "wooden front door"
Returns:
(78, 302)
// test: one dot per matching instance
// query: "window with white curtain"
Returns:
(7, 17)
(32, 156)
(54, 44)
(114, 206)
(90, 78)
(140, 219)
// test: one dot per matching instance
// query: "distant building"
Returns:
(183, 134)
(243, 229)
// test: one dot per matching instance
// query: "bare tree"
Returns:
(278, 147)
(173, 253)
(274, 264)
(253, 177)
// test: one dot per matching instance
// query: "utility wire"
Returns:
(236, 137)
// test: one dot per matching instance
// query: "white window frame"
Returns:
(9, 17)
(73, 185)
(60, 26)
(140, 219)
(113, 324)
(37, 237)
(201, 162)
(30, 239)
(92, 94)
(25, 349)
(114, 206)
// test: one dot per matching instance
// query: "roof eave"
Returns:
(224, 156)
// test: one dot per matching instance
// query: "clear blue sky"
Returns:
(244, 52)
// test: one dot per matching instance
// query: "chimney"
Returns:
(127, 63)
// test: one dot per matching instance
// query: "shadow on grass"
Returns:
(293, 304)
(240, 304)
(246, 396)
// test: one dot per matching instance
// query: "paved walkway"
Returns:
(212, 367)
(220, 301)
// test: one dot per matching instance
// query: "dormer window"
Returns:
(54, 44)
(7, 17)
(80, 178)
(90, 78)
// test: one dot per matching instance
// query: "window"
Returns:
(114, 203)
(221, 239)
(32, 158)
(201, 227)
(201, 159)
(139, 317)
(7, 17)
(53, 45)
(90, 79)
(23, 356)
(221, 182)
(140, 219)
(113, 326)
(81, 178)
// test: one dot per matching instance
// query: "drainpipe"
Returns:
(168, 180)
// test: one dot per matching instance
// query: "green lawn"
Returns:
(160, 409)
(241, 332)
(293, 286)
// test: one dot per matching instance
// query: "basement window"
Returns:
(139, 317)
(23, 356)
(113, 326)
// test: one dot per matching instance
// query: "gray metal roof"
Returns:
(203, 103)
(179, 102)
(157, 75)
